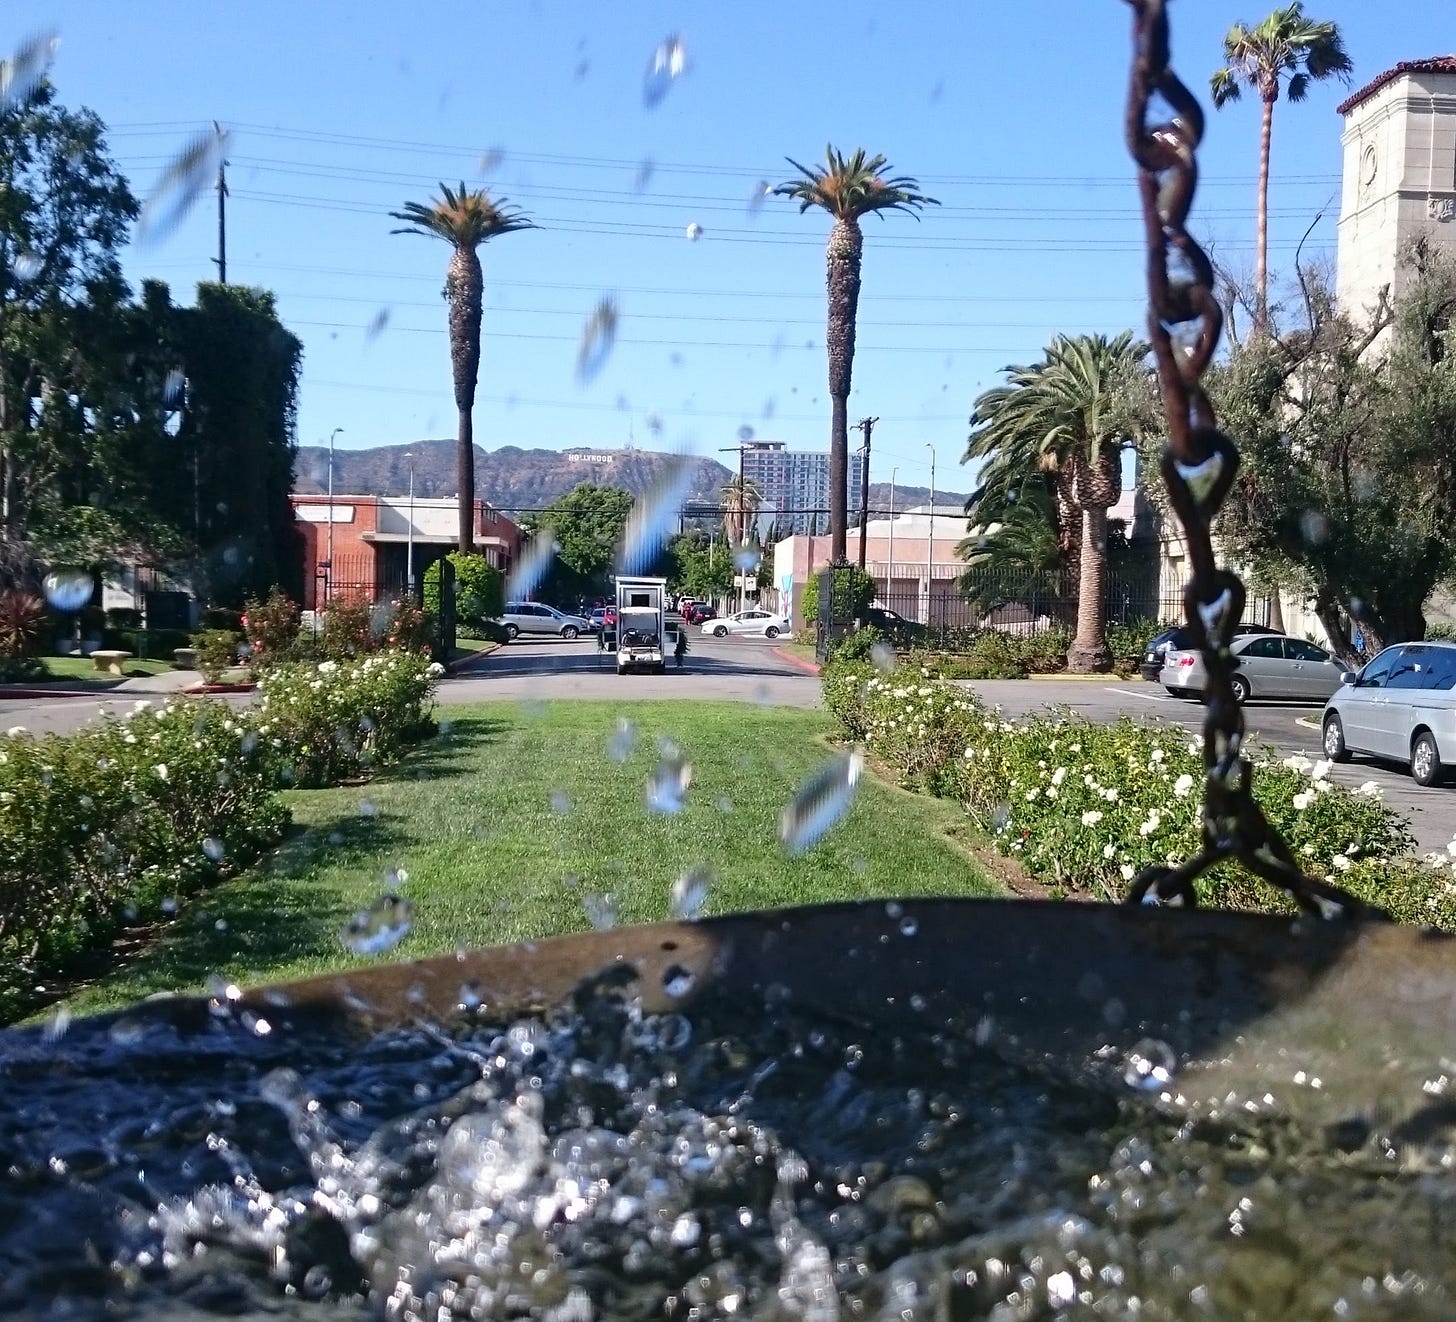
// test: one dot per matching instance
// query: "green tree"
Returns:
(465, 219)
(1016, 552)
(847, 188)
(480, 592)
(1287, 50)
(852, 592)
(587, 523)
(699, 567)
(1066, 417)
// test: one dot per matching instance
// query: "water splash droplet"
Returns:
(1314, 527)
(690, 893)
(643, 176)
(677, 981)
(623, 740)
(181, 184)
(694, 232)
(22, 72)
(598, 336)
(882, 654)
(762, 191)
(394, 878)
(68, 589)
(27, 266)
(383, 925)
(56, 1024)
(820, 802)
(723, 803)
(491, 160)
(215, 850)
(367, 809)
(909, 926)
(654, 516)
(667, 787)
(530, 569)
(601, 911)
(1151, 1065)
(377, 324)
(561, 802)
(668, 63)
(746, 557)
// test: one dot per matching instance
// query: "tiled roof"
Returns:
(1436, 64)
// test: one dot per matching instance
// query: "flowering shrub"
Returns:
(101, 825)
(320, 723)
(403, 623)
(347, 629)
(217, 649)
(1086, 807)
(271, 628)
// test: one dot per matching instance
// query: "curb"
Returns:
(796, 661)
(465, 661)
(57, 693)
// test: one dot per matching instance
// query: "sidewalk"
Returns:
(168, 682)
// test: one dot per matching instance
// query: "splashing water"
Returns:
(491, 160)
(215, 850)
(182, 183)
(667, 787)
(820, 802)
(27, 266)
(623, 740)
(668, 63)
(68, 589)
(530, 569)
(601, 911)
(690, 893)
(694, 232)
(762, 191)
(746, 557)
(377, 324)
(561, 802)
(654, 515)
(883, 656)
(380, 927)
(643, 175)
(1151, 1065)
(598, 336)
(23, 71)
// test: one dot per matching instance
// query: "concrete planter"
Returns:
(185, 658)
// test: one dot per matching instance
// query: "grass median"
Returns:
(510, 820)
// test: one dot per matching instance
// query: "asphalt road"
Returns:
(747, 670)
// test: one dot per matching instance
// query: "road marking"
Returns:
(1133, 693)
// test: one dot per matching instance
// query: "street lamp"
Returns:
(890, 569)
(409, 554)
(329, 582)
(930, 539)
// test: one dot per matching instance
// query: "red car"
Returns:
(698, 612)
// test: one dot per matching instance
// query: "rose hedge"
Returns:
(117, 822)
(1085, 807)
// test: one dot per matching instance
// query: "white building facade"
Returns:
(796, 483)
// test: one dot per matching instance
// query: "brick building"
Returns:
(377, 540)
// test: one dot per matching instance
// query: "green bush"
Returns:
(155, 643)
(123, 617)
(858, 645)
(222, 617)
(271, 628)
(853, 591)
(347, 629)
(480, 589)
(217, 650)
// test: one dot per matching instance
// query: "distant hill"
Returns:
(515, 479)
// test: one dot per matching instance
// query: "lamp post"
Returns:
(930, 538)
(329, 582)
(890, 569)
(409, 553)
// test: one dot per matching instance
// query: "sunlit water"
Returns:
(741, 1162)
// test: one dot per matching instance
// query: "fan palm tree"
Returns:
(847, 188)
(464, 218)
(1017, 551)
(1063, 417)
(1286, 45)
(741, 499)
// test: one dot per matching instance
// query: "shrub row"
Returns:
(115, 823)
(1086, 807)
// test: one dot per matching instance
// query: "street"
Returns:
(740, 669)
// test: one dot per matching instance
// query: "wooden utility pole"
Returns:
(220, 261)
(867, 426)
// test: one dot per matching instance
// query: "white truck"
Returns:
(642, 632)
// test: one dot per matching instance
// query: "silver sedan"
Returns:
(1270, 666)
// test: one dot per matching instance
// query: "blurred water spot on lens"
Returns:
(191, 172)
(598, 335)
(667, 63)
(820, 802)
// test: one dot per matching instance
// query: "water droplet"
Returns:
(336, 837)
(27, 266)
(917, 1002)
(221, 994)
(1363, 482)
(1001, 817)
(654, 516)
(367, 809)
(384, 924)
(723, 803)
(68, 589)
(667, 787)
(530, 569)
(1314, 527)
(882, 654)
(677, 981)
(181, 184)
(601, 911)
(169, 905)
(377, 324)
(491, 160)
(214, 849)
(395, 878)
(20, 74)
(643, 177)
(598, 336)
(746, 557)
(909, 926)
(694, 232)
(762, 191)
(690, 893)
(668, 63)
(1151, 1065)
(745, 433)
(624, 738)
(820, 802)
(560, 802)
(56, 1024)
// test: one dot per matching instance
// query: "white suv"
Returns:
(1402, 706)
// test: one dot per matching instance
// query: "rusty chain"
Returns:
(1198, 467)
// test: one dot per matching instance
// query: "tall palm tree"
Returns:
(1286, 45)
(1016, 554)
(464, 218)
(741, 499)
(1064, 417)
(847, 188)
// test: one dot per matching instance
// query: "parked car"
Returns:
(537, 617)
(1269, 666)
(1398, 706)
(747, 622)
(894, 625)
(1179, 639)
(603, 617)
(698, 611)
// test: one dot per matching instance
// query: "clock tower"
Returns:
(1399, 175)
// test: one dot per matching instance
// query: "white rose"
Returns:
(1091, 817)
(1183, 785)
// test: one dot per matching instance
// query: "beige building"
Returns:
(1398, 175)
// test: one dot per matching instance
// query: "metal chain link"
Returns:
(1198, 467)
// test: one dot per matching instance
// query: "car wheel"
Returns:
(720, 632)
(1242, 691)
(771, 632)
(1334, 739)
(570, 632)
(512, 633)
(1425, 761)
(1172, 692)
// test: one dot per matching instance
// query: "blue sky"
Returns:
(1009, 114)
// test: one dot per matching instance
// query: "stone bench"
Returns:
(185, 658)
(111, 662)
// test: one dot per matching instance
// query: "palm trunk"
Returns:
(1069, 542)
(846, 245)
(1261, 259)
(1089, 652)
(463, 287)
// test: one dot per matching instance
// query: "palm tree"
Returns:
(1016, 554)
(847, 188)
(1285, 45)
(1064, 417)
(464, 218)
(741, 499)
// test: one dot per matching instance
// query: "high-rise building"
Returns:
(795, 483)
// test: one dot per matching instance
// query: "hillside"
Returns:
(523, 480)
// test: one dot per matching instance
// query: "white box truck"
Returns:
(642, 624)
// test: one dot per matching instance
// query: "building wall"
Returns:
(797, 481)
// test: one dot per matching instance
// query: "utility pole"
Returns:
(220, 261)
(865, 425)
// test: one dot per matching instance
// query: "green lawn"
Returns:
(470, 817)
(82, 669)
